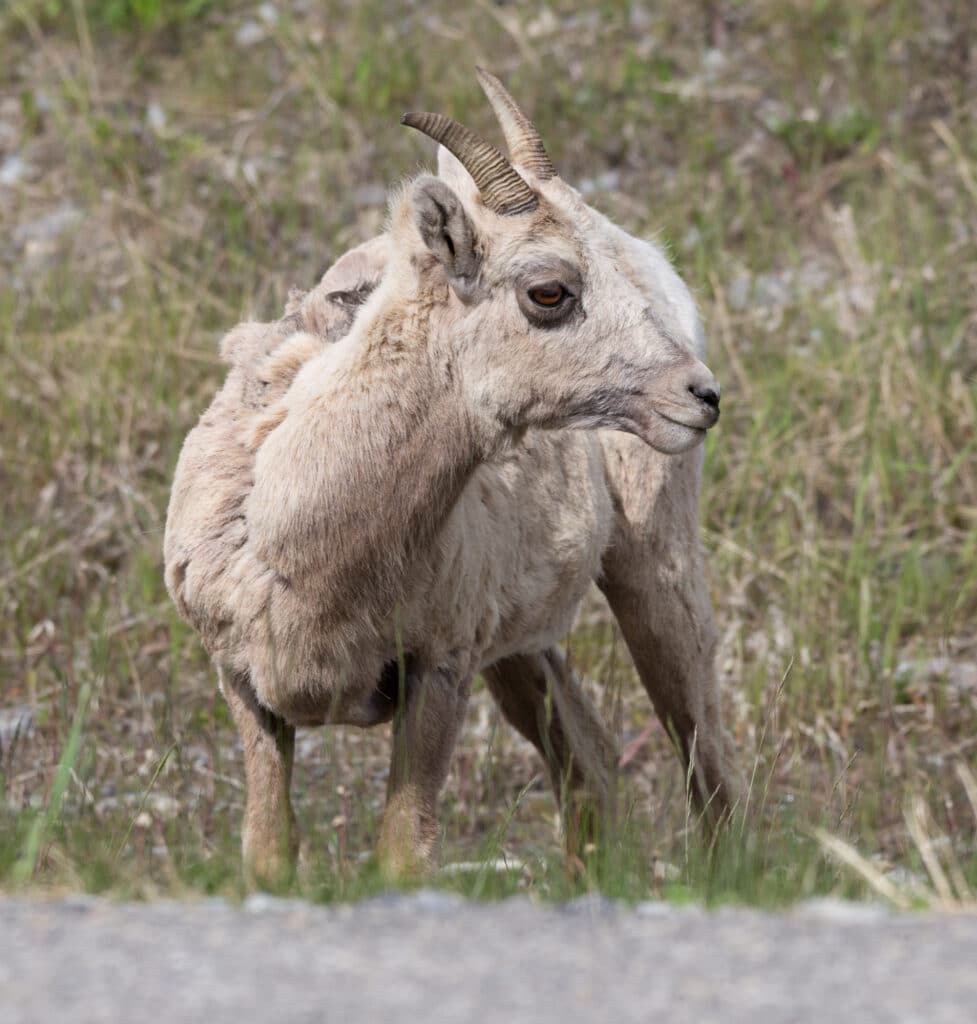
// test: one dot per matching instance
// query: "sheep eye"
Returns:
(548, 295)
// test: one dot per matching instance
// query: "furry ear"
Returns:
(448, 232)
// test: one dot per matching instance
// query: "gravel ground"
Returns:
(431, 957)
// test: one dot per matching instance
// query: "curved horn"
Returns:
(499, 183)
(521, 135)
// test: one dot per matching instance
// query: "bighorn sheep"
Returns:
(417, 473)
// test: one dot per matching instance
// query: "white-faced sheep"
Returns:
(418, 472)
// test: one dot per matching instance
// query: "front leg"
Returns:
(269, 835)
(655, 582)
(426, 726)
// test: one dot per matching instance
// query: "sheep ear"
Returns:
(447, 231)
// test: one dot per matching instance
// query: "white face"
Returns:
(563, 320)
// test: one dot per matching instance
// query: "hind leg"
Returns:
(538, 695)
(654, 579)
(269, 834)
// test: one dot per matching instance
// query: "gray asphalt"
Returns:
(432, 958)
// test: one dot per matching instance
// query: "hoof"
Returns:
(270, 866)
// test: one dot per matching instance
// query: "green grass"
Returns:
(817, 185)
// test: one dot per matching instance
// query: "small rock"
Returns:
(812, 276)
(18, 722)
(106, 805)
(959, 675)
(164, 806)
(50, 226)
(546, 23)
(249, 33)
(861, 298)
(13, 170)
(774, 114)
(773, 290)
(606, 181)
(713, 63)
(156, 117)
(268, 13)
(640, 19)
(963, 675)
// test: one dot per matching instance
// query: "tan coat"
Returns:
(386, 478)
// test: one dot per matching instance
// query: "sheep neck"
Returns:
(378, 449)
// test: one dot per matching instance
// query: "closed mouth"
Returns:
(705, 421)
(666, 424)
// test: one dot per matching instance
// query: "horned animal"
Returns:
(416, 474)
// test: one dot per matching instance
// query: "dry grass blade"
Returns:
(846, 854)
(142, 802)
(962, 163)
(920, 830)
(767, 719)
(969, 783)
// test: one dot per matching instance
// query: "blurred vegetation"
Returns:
(168, 167)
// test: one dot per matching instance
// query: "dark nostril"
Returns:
(708, 395)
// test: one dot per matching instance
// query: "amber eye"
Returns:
(548, 295)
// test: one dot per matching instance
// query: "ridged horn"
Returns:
(499, 183)
(525, 144)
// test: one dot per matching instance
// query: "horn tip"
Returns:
(486, 79)
(414, 119)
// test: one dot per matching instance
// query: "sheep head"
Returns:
(554, 316)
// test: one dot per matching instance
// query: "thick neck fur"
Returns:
(371, 450)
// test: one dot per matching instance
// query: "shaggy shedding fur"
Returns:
(211, 572)
(388, 470)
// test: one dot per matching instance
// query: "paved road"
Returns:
(432, 959)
